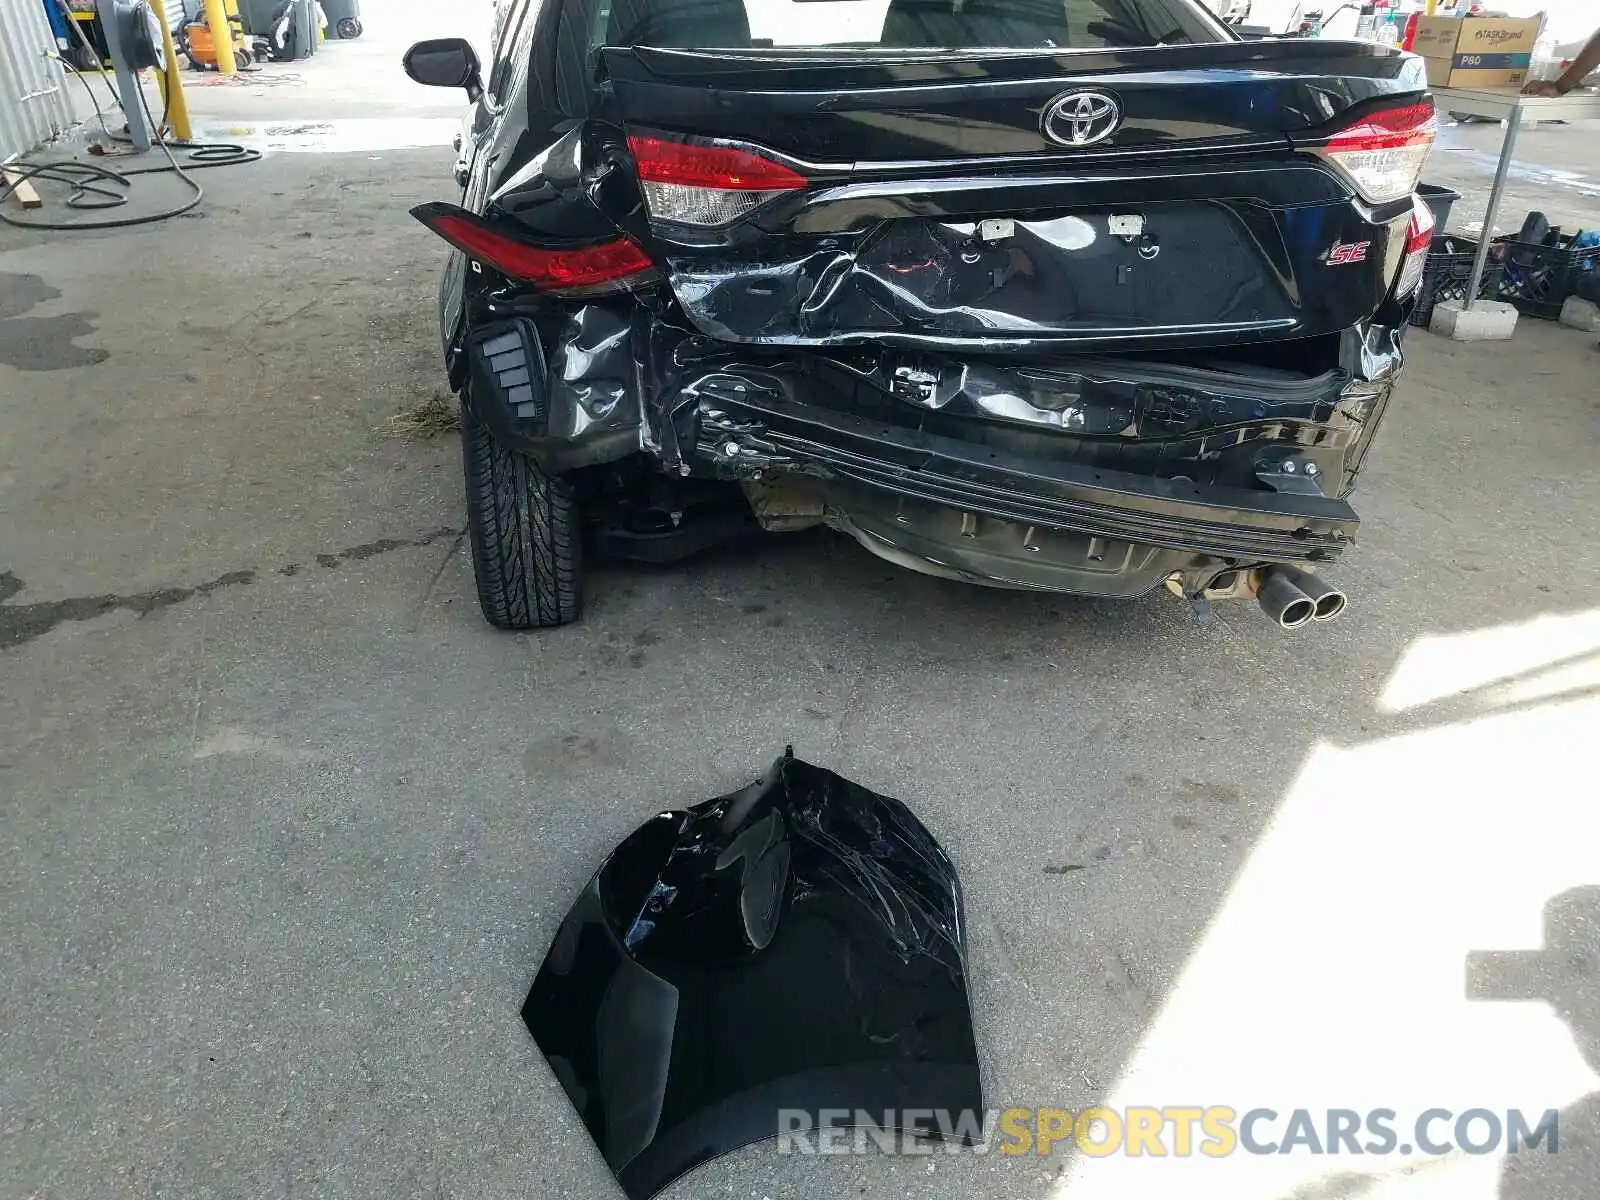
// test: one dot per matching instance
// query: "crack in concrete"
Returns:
(21, 623)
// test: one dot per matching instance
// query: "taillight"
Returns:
(584, 270)
(707, 185)
(1419, 237)
(1382, 153)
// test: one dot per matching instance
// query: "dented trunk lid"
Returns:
(945, 201)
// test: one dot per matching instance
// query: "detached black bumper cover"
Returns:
(796, 945)
(768, 426)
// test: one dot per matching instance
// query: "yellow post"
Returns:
(231, 7)
(172, 84)
(221, 36)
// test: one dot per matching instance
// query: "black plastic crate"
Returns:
(1538, 279)
(1447, 273)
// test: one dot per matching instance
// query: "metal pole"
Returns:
(1507, 151)
(172, 87)
(127, 80)
(221, 36)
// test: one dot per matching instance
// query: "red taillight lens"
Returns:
(1382, 153)
(722, 167)
(1419, 238)
(707, 185)
(1420, 235)
(606, 267)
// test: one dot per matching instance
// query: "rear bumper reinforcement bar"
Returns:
(768, 428)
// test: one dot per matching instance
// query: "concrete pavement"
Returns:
(285, 829)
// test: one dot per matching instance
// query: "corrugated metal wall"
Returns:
(33, 88)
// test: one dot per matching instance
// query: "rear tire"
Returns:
(348, 28)
(526, 549)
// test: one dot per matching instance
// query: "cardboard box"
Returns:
(1476, 52)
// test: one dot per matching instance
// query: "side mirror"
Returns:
(446, 62)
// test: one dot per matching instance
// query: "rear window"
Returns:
(904, 24)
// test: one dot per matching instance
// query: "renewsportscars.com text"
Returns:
(1173, 1130)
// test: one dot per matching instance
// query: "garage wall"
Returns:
(33, 88)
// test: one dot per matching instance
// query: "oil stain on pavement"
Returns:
(21, 623)
(41, 343)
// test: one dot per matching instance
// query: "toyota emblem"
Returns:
(1082, 118)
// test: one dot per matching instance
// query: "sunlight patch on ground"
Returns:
(368, 135)
(1541, 658)
(1335, 973)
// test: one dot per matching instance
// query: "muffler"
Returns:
(1295, 598)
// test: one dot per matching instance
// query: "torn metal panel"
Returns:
(592, 376)
(1196, 271)
(798, 944)
(1073, 473)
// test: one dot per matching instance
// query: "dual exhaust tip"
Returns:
(1294, 598)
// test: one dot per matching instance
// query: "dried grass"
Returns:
(434, 417)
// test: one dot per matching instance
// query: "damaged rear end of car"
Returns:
(1089, 310)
